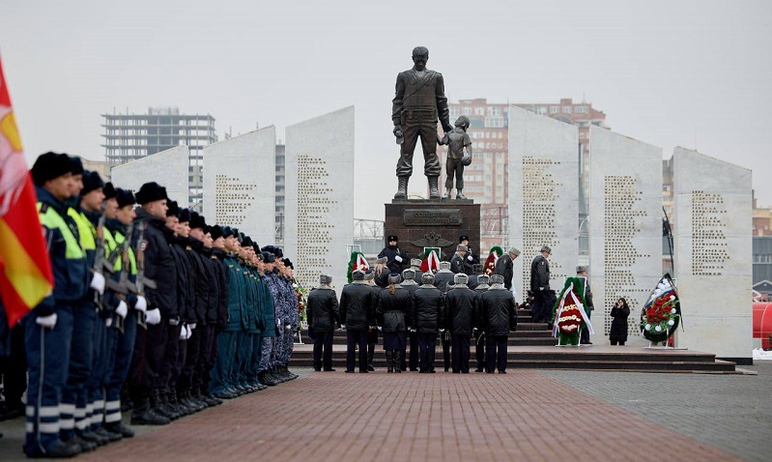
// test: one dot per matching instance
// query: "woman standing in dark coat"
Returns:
(620, 313)
(394, 307)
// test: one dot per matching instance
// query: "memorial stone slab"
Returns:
(319, 211)
(168, 168)
(625, 216)
(239, 183)
(543, 195)
(712, 208)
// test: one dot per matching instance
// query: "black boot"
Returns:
(434, 191)
(370, 355)
(158, 401)
(401, 187)
(118, 427)
(397, 359)
(143, 414)
(390, 361)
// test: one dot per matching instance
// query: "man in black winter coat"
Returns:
(498, 316)
(323, 317)
(540, 286)
(460, 305)
(505, 266)
(479, 334)
(410, 284)
(428, 313)
(443, 280)
(396, 258)
(150, 349)
(357, 314)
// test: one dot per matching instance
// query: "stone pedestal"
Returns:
(433, 223)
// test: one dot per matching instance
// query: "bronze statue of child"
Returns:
(459, 155)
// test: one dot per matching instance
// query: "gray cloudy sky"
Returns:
(690, 73)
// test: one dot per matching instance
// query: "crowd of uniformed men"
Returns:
(152, 309)
(459, 305)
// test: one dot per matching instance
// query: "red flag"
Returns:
(25, 269)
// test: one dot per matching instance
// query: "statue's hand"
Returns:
(398, 131)
(447, 128)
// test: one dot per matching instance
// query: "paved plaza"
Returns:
(526, 415)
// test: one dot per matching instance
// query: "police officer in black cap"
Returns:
(396, 258)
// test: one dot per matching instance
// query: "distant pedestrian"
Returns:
(620, 313)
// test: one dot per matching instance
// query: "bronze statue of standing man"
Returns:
(419, 101)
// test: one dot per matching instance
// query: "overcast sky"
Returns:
(671, 73)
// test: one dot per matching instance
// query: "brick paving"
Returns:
(417, 417)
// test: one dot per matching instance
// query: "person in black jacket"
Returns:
(357, 314)
(150, 348)
(584, 336)
(540, 286)
(409, 283)
(458, 260)
(479, 334)
(497, 317)
(396, 258)
(323, 317)
(428, 315)
(394, 307)
(372, 330)
(443, 280)
(460, 303)
(620, 313)
(505, 266)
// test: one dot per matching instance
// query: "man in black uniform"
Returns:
(150, 348)
(504, 266)
(498, 316)
(470, 259)
(460, 303)
(458, 262)
(409, 283)
(395, 256)
(540, 285)
(443, 280)
(323, 317)
(479, 333)
(357, 314)
(581, 272)
(428, 313)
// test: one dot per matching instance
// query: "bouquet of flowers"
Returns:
(490, 262)
(302, 294)
(662, 313)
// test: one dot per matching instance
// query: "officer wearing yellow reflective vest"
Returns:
(48, 327)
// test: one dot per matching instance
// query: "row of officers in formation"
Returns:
(442, 306)
(152, 309)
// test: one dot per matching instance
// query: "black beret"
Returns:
(196, 220)
(150, 192)
(91, 182)
(268, 257)
(173, 208)
(109, 191)
(49, 166)
(184, 215)
(124, 197)
(76, 166)
(227, 231)
(463, 238)
(288, 263)
(216, 232)
(393, 237)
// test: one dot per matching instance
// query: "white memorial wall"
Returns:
(625, 222)
(319, 210)
(713, 265)
(543, 195)
(239, 184)
(167, 168)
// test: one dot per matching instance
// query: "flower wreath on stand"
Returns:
(493, 257)
(302, 294)
(662, 313)
(356, 262)
(569, 315)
